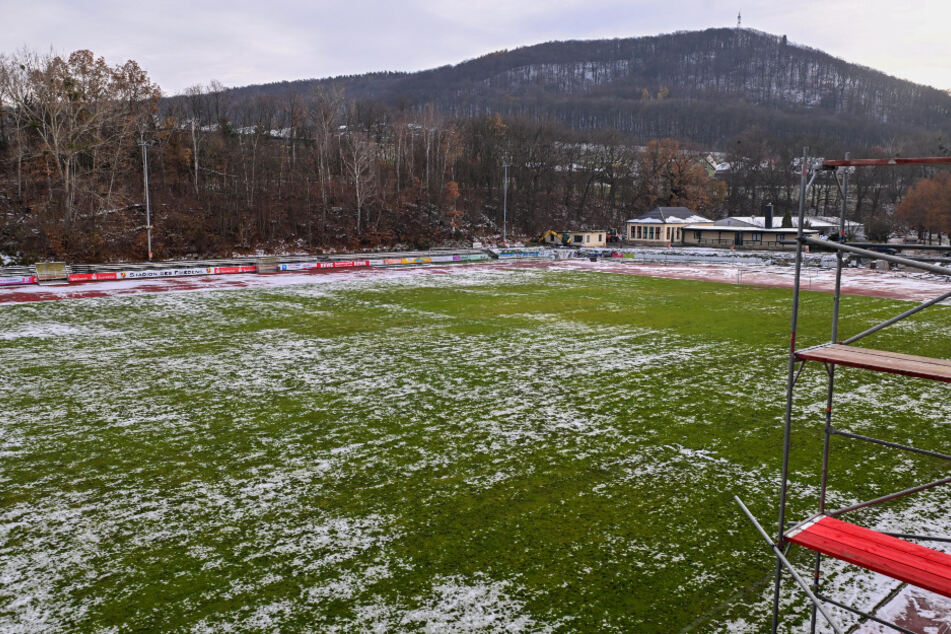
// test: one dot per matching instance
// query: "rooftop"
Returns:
(735, 228)
(816, 222)
(670, 215)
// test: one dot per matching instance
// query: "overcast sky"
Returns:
(238, 42)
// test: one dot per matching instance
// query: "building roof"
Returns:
(737, 229)
(832, 220)
(815, 222)
(670, 216)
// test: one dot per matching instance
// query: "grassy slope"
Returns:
(541, 450)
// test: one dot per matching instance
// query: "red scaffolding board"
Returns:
(896, 558)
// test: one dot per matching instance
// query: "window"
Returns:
(698, 235)
(668, 234)
(600, 237)
(587, 238)
(756, 237)
(577, 238)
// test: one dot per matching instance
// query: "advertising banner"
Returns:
(520, 254)
(225, 270)
(93, 277)
(15, 281)
(137, 275)
(300, 266)
(350, 263)
(131, 275)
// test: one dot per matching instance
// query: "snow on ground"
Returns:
(457, 605)
(915, 609)
(897, 285)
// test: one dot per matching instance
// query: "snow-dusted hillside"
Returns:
(704, 86)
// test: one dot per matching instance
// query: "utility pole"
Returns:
(505, 202)
(145, 175)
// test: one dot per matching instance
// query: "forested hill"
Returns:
(703, 86)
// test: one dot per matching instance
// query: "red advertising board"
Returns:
(92, 277)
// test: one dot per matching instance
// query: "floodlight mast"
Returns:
(145, 177)
(505, 202)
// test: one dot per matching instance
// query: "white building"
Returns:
(663, 225)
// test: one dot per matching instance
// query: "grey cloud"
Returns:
(239, 42)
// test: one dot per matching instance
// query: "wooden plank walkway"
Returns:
(879, 360)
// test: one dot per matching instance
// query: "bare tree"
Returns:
(13, 90)
(359, 158)
(324, 116)
(196, 115)
(78, 107)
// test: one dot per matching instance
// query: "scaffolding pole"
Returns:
(830, 388)
(896, 259)
(785, 562)
(790, 384)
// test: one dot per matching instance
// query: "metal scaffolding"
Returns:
(890, 554)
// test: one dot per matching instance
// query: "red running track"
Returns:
(855, 281)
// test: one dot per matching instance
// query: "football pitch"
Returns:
(509, 450)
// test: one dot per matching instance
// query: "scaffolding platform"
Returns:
(887, 555)
(879, 361)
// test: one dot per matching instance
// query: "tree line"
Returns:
(315, 170)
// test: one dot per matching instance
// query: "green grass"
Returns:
(513, 451)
